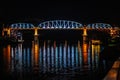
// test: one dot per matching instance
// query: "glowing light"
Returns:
(84, 32)
(60, 27)
(52, 27)
(36, 54)
(85, 53)
(36, 31)
(7, 55)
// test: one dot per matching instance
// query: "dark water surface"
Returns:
(53, 60)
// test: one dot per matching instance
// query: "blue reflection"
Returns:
(60, 56)
(54, 57)
(64, 55)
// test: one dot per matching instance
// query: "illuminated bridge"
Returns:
(60, 25)
(55, 24)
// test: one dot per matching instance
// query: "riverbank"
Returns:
(114, 72)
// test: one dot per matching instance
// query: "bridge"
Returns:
(60, 25)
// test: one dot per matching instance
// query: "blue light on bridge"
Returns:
(60, 24)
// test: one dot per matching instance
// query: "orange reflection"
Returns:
(85, 53)
(95, 54)
(95, 50)
(36, 54)
(7, 57)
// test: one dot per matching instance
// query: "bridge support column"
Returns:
(84, 34)
(36, 32)
(7, 30)
(36, 35)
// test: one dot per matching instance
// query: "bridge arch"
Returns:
(99, 26)
(21, 26)
(60, 24)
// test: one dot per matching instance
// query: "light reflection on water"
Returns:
(52, 57)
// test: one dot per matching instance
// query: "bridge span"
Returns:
(60, 25)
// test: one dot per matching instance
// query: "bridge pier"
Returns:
(84, 34)
(36, 34)
(6, 30)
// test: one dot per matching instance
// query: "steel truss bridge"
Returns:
(61, 25)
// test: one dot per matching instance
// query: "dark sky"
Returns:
(80, 11)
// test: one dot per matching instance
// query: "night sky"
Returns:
(80, 11)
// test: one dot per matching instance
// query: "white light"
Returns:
(68, 27)
(60, 27)
(56, 27)
(52, 27)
